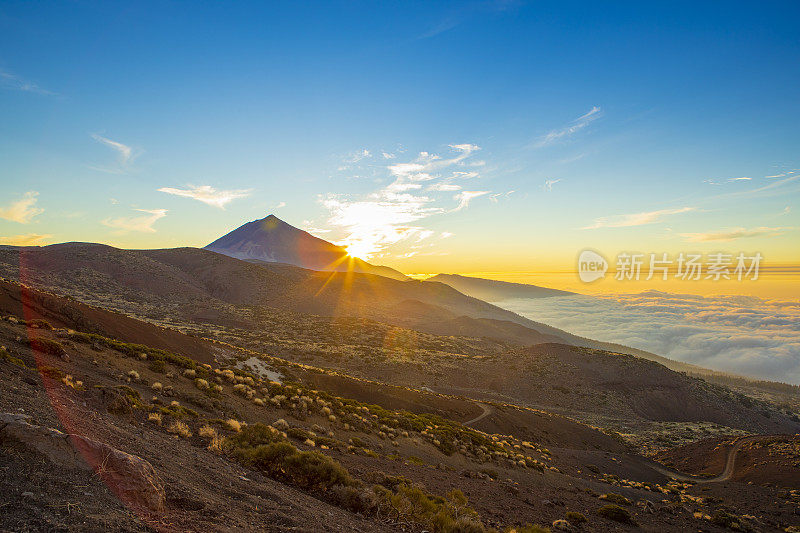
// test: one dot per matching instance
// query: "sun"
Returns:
(359, 250)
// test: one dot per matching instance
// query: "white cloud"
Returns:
(208, 194)
(548, 184)
(390, 215)
(464, 198)
(125, 152)
(636, 219)
(443, 187)
(570, 129)
(387, 155)
(16, 83)
(357, 156)
(125, 155)
(743, 178)
(446, 235)
(29, 239)
(733, 234)
(142, 223)
(280, 205)
(22, 210)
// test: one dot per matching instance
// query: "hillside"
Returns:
(224, 449)
(262, 306)
(201, 285)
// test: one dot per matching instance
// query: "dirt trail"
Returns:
(487, 410)
(726, 472)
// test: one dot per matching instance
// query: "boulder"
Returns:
(131, 478)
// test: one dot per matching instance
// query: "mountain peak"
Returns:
(272, 240)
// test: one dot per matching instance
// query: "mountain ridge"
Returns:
(494, 290)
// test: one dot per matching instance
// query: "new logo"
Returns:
(591, 266)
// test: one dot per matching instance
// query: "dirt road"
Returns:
(726, 472)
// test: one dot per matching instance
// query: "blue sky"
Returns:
(524, 131)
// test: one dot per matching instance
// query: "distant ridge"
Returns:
(272, 240)
(493, 291)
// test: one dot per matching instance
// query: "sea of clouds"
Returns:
(740, 334)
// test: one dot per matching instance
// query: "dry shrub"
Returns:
(207, 432)
(180, 428)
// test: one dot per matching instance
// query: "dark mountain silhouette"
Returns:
(494, 291)
(272, 240)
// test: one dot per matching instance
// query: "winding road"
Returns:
(487, 410)
(726, 472)
(725, 475)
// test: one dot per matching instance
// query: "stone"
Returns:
(131, 478)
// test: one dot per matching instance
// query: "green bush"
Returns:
(725, 519)
(574, 517)
(7, 357)
(252, 436)
(47, 346)
(131, 349)
(307, 470)
(616, 513)
(612, 497)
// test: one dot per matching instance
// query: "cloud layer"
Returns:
(739, 334)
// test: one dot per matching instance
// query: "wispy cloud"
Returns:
(125, 155)
(464, 197)
(17, 83)
(570, 129)
(464, 12)
(208, 194)
(636, 219)
(548, 184)
(390, 215)
(733, 234)
(142, 223)
(22, 210)
(28, 239)
(743, 178)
